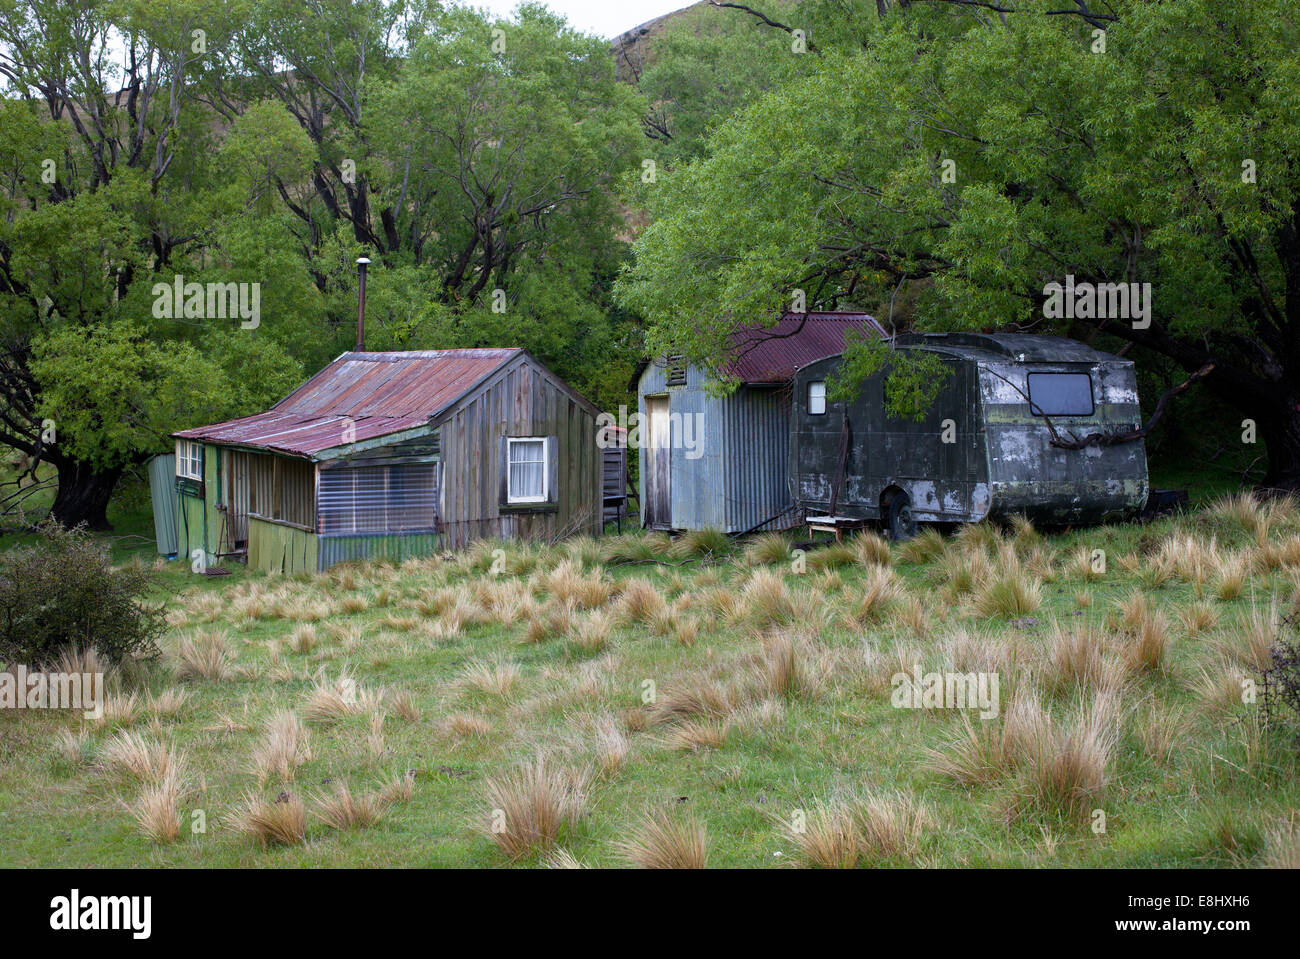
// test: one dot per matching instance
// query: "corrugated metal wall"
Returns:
(162, 491)
(756, 431)
(737, 476)
(398, 546)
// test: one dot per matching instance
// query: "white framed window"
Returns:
(527, 468)
(817, 397)
(189, 459)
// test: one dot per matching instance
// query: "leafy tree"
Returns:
(113, 182)
(967, 156)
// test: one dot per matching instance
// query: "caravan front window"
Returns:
(1060, 394)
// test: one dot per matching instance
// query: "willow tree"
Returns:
(968, 156)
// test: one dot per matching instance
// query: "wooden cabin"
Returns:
(393, 455)
(721, 461)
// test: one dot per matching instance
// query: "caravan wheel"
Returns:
(902, 524)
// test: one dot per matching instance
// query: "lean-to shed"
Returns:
(393, 455)
(721, 461)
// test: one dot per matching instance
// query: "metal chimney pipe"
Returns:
(362, 263)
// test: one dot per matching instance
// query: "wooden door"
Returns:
(658, 479)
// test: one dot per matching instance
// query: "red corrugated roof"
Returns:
(375, 394)
(772, 354)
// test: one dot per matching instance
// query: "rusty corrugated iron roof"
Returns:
(769, 355)
(365, 394)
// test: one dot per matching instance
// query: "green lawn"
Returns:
(781, 684)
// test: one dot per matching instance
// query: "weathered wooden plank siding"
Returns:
(520, 401)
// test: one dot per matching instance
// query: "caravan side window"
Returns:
(1061, 394)
(527, 466)
(189, 460)
(817, 397)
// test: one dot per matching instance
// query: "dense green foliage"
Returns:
(63, 593)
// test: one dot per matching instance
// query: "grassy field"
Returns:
(634, 701)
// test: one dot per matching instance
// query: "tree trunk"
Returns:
(83, 495)
(1281, 435)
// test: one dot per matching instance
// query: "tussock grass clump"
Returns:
(467, 725)
(826, 836)
(879, 593)
(1282, 844)
(923, 548)
(635, 548)
(331, 701)
(662, 840)
(891, 825)
(640, 601)
(1076, 657)
(989, 750)
(146, 761)
(769, 549)
(832, 556)
(75, 747)
(1239, 510)
(1197, 617)
(611, 745)
(1146, 649)
(404, 707)
(168, 703)
(963, 573)
(1230, 576)
(697, 734)
(1161, 732)
(766, 600)
(871, 549)
(155, 809)
(282, 822)
(527, 807)
(709, 543)
(1218, 685)
(1069, 767)
(119, 710)
(341, 809)
(491, 677)
(981, 537)
(303, 639)
(284, 747)
(694, 696)
(1009, 595)
(569, 585)
(204, 657)
(592, 633)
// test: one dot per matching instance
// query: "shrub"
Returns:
(63, 592)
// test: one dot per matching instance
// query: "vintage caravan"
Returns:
(1023, 424)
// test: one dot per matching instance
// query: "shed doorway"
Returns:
(658, 481)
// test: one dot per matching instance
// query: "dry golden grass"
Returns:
(925, 547)
(891, 825)
(119, 710)
(569, 585)
(769, 549)
(1009, 596)
(592, 632)
(639, 601)
(167, 704)
(696, 734)
(1218, 685)
(491, 677)
(765, 599)
(1076, 656)
(1197, 617)
(285, 746)
(871, 549)
(303, 639)
(75, 747)
(1282, 844)
(825, 836)
(130, 755)
(204, 657)
(1069, 766)
(690, 697)
(467, 725)
(611, 745)
(1147, 649)
(331, 701)
(1230, 576)
(342, 809)
(399, 790)
(156, 809)
(526, 808)
(404, 707)
(878, 594)
(663, 840)
(990, 749)
(282, 822)
(1161, 731)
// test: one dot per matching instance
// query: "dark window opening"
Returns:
(1061, 394)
